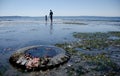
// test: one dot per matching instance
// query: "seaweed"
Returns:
(2, 70)
(101, 63)
(115, 33)
(97, 40)
(77, 23)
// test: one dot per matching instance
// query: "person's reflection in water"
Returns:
(51, 28)
(45, 19)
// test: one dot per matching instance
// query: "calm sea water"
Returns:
(78, 18)
(17, 32)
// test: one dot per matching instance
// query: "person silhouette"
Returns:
(51, 16)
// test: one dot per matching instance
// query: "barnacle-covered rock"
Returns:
(39, 57)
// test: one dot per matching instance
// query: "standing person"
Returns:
(51, 16)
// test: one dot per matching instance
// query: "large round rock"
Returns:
(39, 57)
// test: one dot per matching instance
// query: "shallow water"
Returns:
(17, 34)
(44, 51)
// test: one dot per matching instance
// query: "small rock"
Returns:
(69, 64)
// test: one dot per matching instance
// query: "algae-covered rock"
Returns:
(38, 57)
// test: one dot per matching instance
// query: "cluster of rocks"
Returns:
(28, 62)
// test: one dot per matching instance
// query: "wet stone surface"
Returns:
(35, 58)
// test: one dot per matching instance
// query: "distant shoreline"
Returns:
(59, 16)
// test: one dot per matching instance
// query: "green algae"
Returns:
(76, 23)
(100, 63)
(93, 44)
(115, 33)
(79, 70)
(91, 41)
(97, 35)
(2, 70)
(97, 40)
(67, 47)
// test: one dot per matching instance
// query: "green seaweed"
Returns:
(115, 33)
(97, 40)
(77, 23)
(102, 62)
(70, 71)
(66, 47)
(79, 70)
(92, 36)
(93, 44)
(2, 70)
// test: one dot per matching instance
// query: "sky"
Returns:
(60, 7)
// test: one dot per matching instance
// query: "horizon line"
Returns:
(58, 16)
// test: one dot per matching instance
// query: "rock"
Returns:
(29, 62)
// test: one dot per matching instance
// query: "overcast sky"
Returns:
(60, 7)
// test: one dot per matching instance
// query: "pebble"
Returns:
(69, 64)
